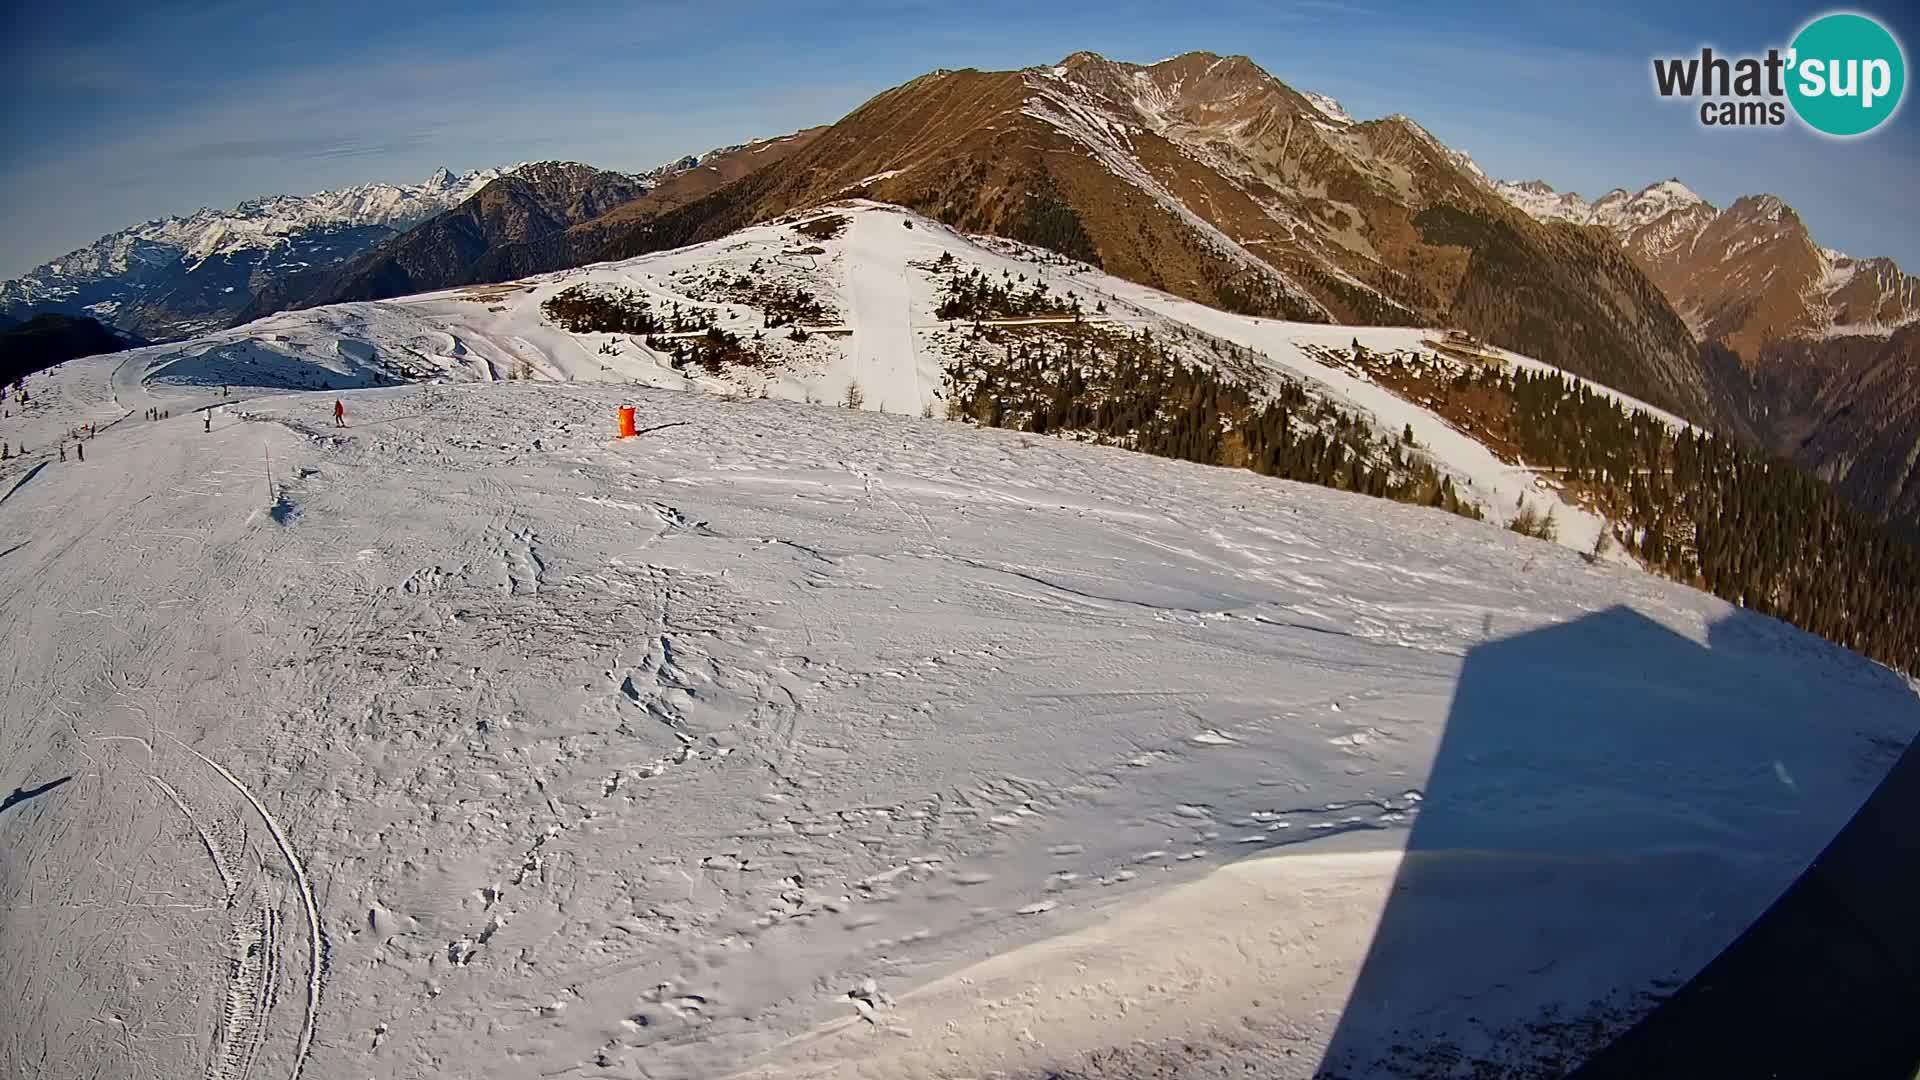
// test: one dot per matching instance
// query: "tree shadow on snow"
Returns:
(20, 795)
(1610, 805)
(22, 482)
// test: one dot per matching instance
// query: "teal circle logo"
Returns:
(1847, 74)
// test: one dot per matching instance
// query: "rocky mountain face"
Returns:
(1813, 351)
(1207, 177)
(671, 186)
(176, 276)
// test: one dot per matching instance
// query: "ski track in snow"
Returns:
(884, 354)
(227, 883)
(788, 741)
(316, 936)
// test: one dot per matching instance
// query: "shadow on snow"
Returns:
(1610, 805)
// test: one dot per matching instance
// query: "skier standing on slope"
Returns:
(339, 413)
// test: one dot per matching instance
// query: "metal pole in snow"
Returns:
(269, 453)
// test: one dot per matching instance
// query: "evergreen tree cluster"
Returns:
(715, 350)
(1393, 299)
(1049, 222)
(971, 294)
(1247, 291)
(1761, 533)
(1130, 390)
(1567, 295)
(783, 302)
(578, 309)
(823, 228)
(786, 304)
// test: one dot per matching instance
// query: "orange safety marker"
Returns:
(626, 422)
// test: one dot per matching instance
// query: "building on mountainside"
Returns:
(1464, 347)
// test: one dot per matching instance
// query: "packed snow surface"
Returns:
(787, 741)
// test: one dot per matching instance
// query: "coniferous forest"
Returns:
(1129, 390)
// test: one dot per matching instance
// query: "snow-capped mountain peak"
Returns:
(1540, 201)
(1672, 190)
(168, 259)
(550, 167)
(1618, 210)
(1328, 107)
(1757, 249)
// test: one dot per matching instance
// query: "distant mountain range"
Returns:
(535, 217)
(175, 276)
(1201, 175)
(528, 201)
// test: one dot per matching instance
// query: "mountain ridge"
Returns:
(53, 338)
(535, 217)
(1209, 177)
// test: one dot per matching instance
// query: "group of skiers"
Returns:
(79, 435)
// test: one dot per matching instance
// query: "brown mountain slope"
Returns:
(958, 146)
(532, 202)
(1207, 177)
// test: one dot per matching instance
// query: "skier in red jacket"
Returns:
(339, 413)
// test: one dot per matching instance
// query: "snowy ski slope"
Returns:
(790, 741)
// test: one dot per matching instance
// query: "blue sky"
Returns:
(120, 112)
